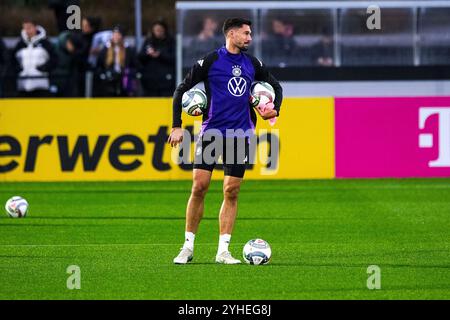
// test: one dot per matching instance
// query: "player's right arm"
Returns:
(198, 73)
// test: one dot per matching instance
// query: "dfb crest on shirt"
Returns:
(237, 86)
(236, 71)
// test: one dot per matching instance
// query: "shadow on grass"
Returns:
(355, 265)
(273, 265)
(162, 218)
(118, 191)
(34, 257)
(186, 191)
(46, 225)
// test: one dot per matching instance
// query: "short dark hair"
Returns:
(29, 20)
(94, 22)
(234, 23)
(162, 23)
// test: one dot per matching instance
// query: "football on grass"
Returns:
(257, 251)
(16, 207)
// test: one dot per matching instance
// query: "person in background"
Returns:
(116, 67)
(65, 75)
(99, 40)
(323, 52)
(3, 63)
(89, 27)
(3, 55)
(33, 59)
(157, 59)
(280, 47)
(206, 40)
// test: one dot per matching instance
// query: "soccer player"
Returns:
(227, 73)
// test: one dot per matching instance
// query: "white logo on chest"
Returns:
(237, 86)
(236, 71)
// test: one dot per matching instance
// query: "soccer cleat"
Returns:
(186, 255)
(226, 258)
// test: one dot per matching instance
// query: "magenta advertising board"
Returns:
(392, 137)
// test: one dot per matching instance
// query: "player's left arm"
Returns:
(263, 74)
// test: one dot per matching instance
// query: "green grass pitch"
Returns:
(324, 234)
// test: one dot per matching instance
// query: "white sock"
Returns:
(189, 240)
(224, 242)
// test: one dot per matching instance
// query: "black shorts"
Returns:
(234, 165)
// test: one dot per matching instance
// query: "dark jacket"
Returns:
(3, 64)
(85, 45)
(3, 56)
(281, 51)
(158, 73)
(117, 83)
(65, 75)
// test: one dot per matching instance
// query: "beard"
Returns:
(243, 47)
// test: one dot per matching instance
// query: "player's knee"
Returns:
(199, 189)
(231, 191)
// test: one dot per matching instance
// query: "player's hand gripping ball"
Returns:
(194, 102)
(261, 93)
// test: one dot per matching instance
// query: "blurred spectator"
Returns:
(89, 27)
(116, 67)
(280, 47)
(3, 54)
(33, 59)
(206, 40)
(323, 52)
(157, 58)
(99, 41)
(65, 76)
(60, 9)
(3, 63)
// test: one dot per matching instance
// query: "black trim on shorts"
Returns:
(234, 169)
